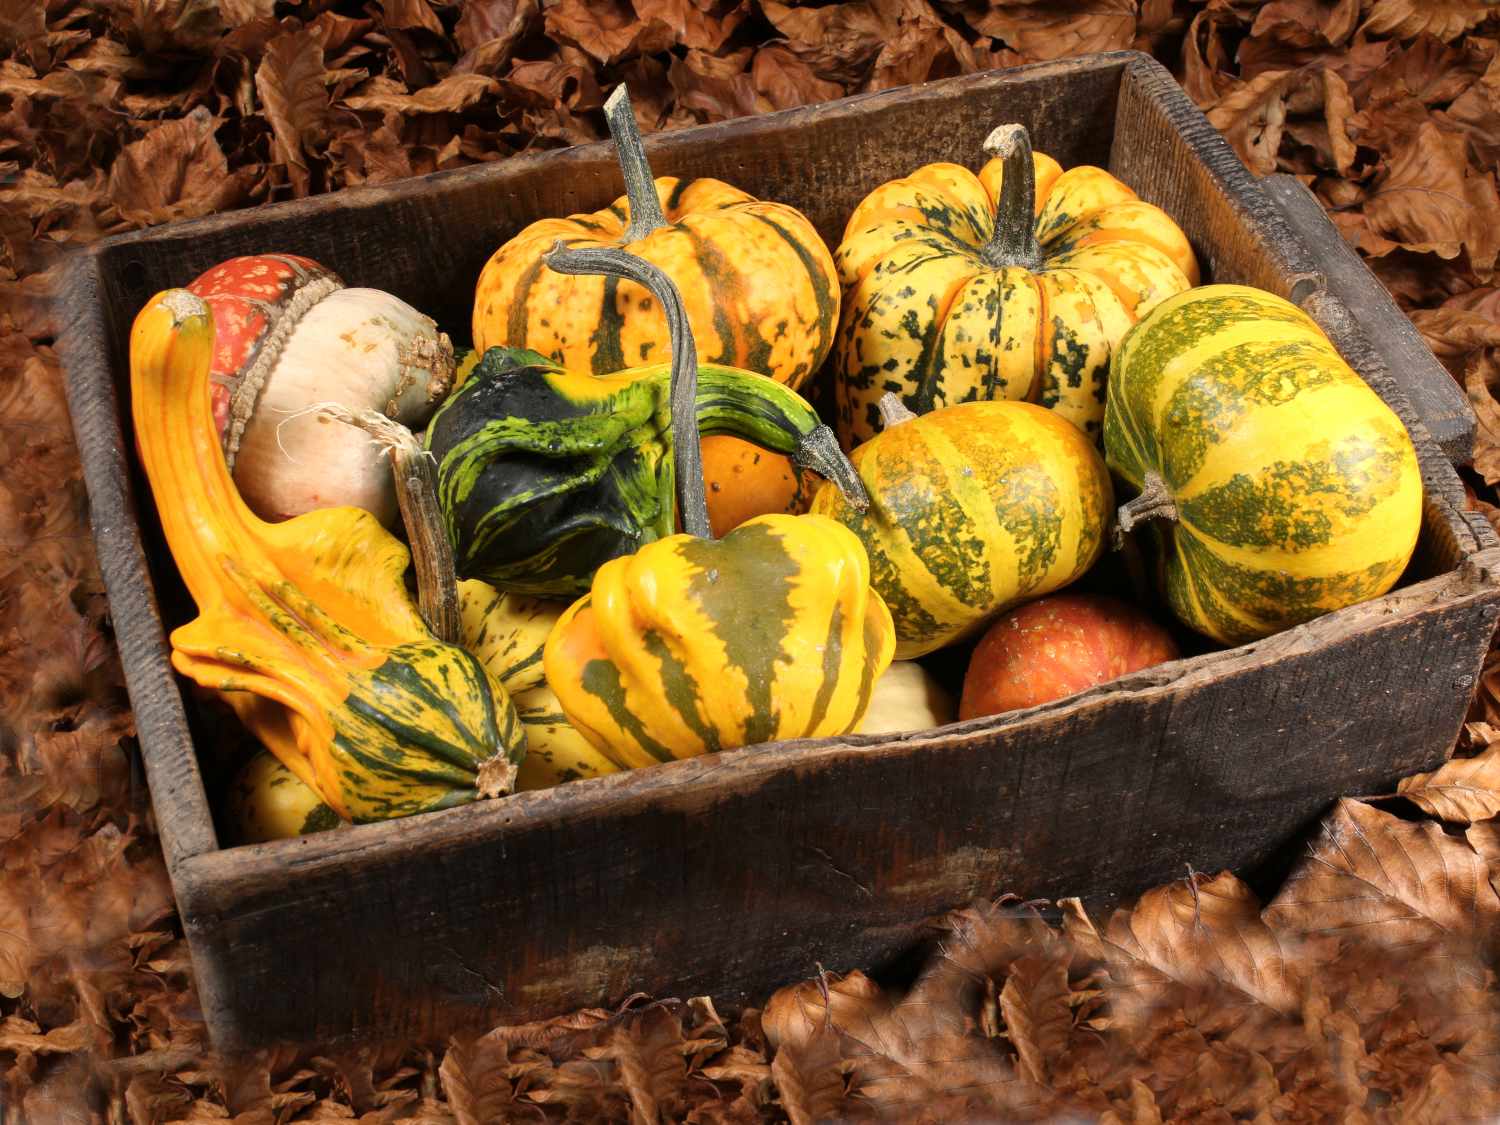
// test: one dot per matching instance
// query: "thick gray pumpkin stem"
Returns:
(1014, 241)
(640, 186)
(1154, 503)
(687, 458)
(892, 411)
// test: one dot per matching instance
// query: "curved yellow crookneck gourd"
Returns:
(691, 645)
(305, 627)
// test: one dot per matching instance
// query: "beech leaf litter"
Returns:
(1362, 990)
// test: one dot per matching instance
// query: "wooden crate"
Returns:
(734, 873)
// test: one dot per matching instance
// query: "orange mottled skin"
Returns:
(1055, 647)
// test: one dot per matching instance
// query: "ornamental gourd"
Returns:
(693, 645)
(1278, 485)
(1015, 284)
(973, 508)
(758, 284)
(288, 334)
(544, 474)
(305, 627)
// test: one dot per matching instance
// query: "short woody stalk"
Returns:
(1014, 241)
(1154, 503)
(416, 493)
(640, 186)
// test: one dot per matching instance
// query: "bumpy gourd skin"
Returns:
(306, 626)
(758, 284)
(930, 317)
(691, 646)
(1293, 489)
(973, 509)
(544, 474)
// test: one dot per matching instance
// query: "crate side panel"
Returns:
(736, 874)
(176, 785)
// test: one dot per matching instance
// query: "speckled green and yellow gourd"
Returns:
(1287, 487)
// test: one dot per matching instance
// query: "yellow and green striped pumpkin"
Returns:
(1279, 485)
(758, 284)
(1015, 284)
(974, 508)
(691, 645)
(267, 801)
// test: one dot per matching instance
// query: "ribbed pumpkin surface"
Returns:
(759, 286)
(1297, 490)
(691, 646)
(973, 508)
(927, 318)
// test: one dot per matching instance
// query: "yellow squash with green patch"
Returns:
(305, 627)
(691, 645)
(1278, 484)
(973, 508)
(1014, 284)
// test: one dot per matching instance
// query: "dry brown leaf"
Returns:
(700, 25)
(1443, 19)
(785, 81)
(606, 29)
(238, 13)
(290, 83)
(1372, 876)
(1200, 932)
(1056, 30)
(798, 1013)
(476, 1081)
(1038, 1015)
(1462, 790)
(1481, 379)
(176, 171)
(1252, 116)
(1304, 23)
(411, 14)
(455, 93)
(810, 1077)
(714, 87)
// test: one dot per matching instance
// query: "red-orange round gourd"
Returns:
(759, 285)
(1058, 646)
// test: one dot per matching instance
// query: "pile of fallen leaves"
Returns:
(1364, 990)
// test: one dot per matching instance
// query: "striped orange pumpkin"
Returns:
(761, 290)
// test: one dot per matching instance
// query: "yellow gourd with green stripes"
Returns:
(1015, 284)
(973, 509)
(692, 645)
(305, 627)
(1279, 485)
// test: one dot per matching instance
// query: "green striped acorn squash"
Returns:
(973, 508)
(305, 628)
(1278, 485)
(545, 474)
(691, 645)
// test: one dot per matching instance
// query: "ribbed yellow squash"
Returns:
(1015, 284)
(1281, 486)
(973, 509)
(305, 627)
(691, 646)
(757, 282)
(507, 632)
(267, 801)
(555, 751)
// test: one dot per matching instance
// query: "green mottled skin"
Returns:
(539, 489)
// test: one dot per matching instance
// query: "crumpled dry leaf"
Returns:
(785, 81)
(1462, 790)
(1443, 19)
(1252, 116)
(454, 93)
(606, 29)
(1389, 880)
(176, 171)
(1038, 1015)
(1056, 30)
(289, 81)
